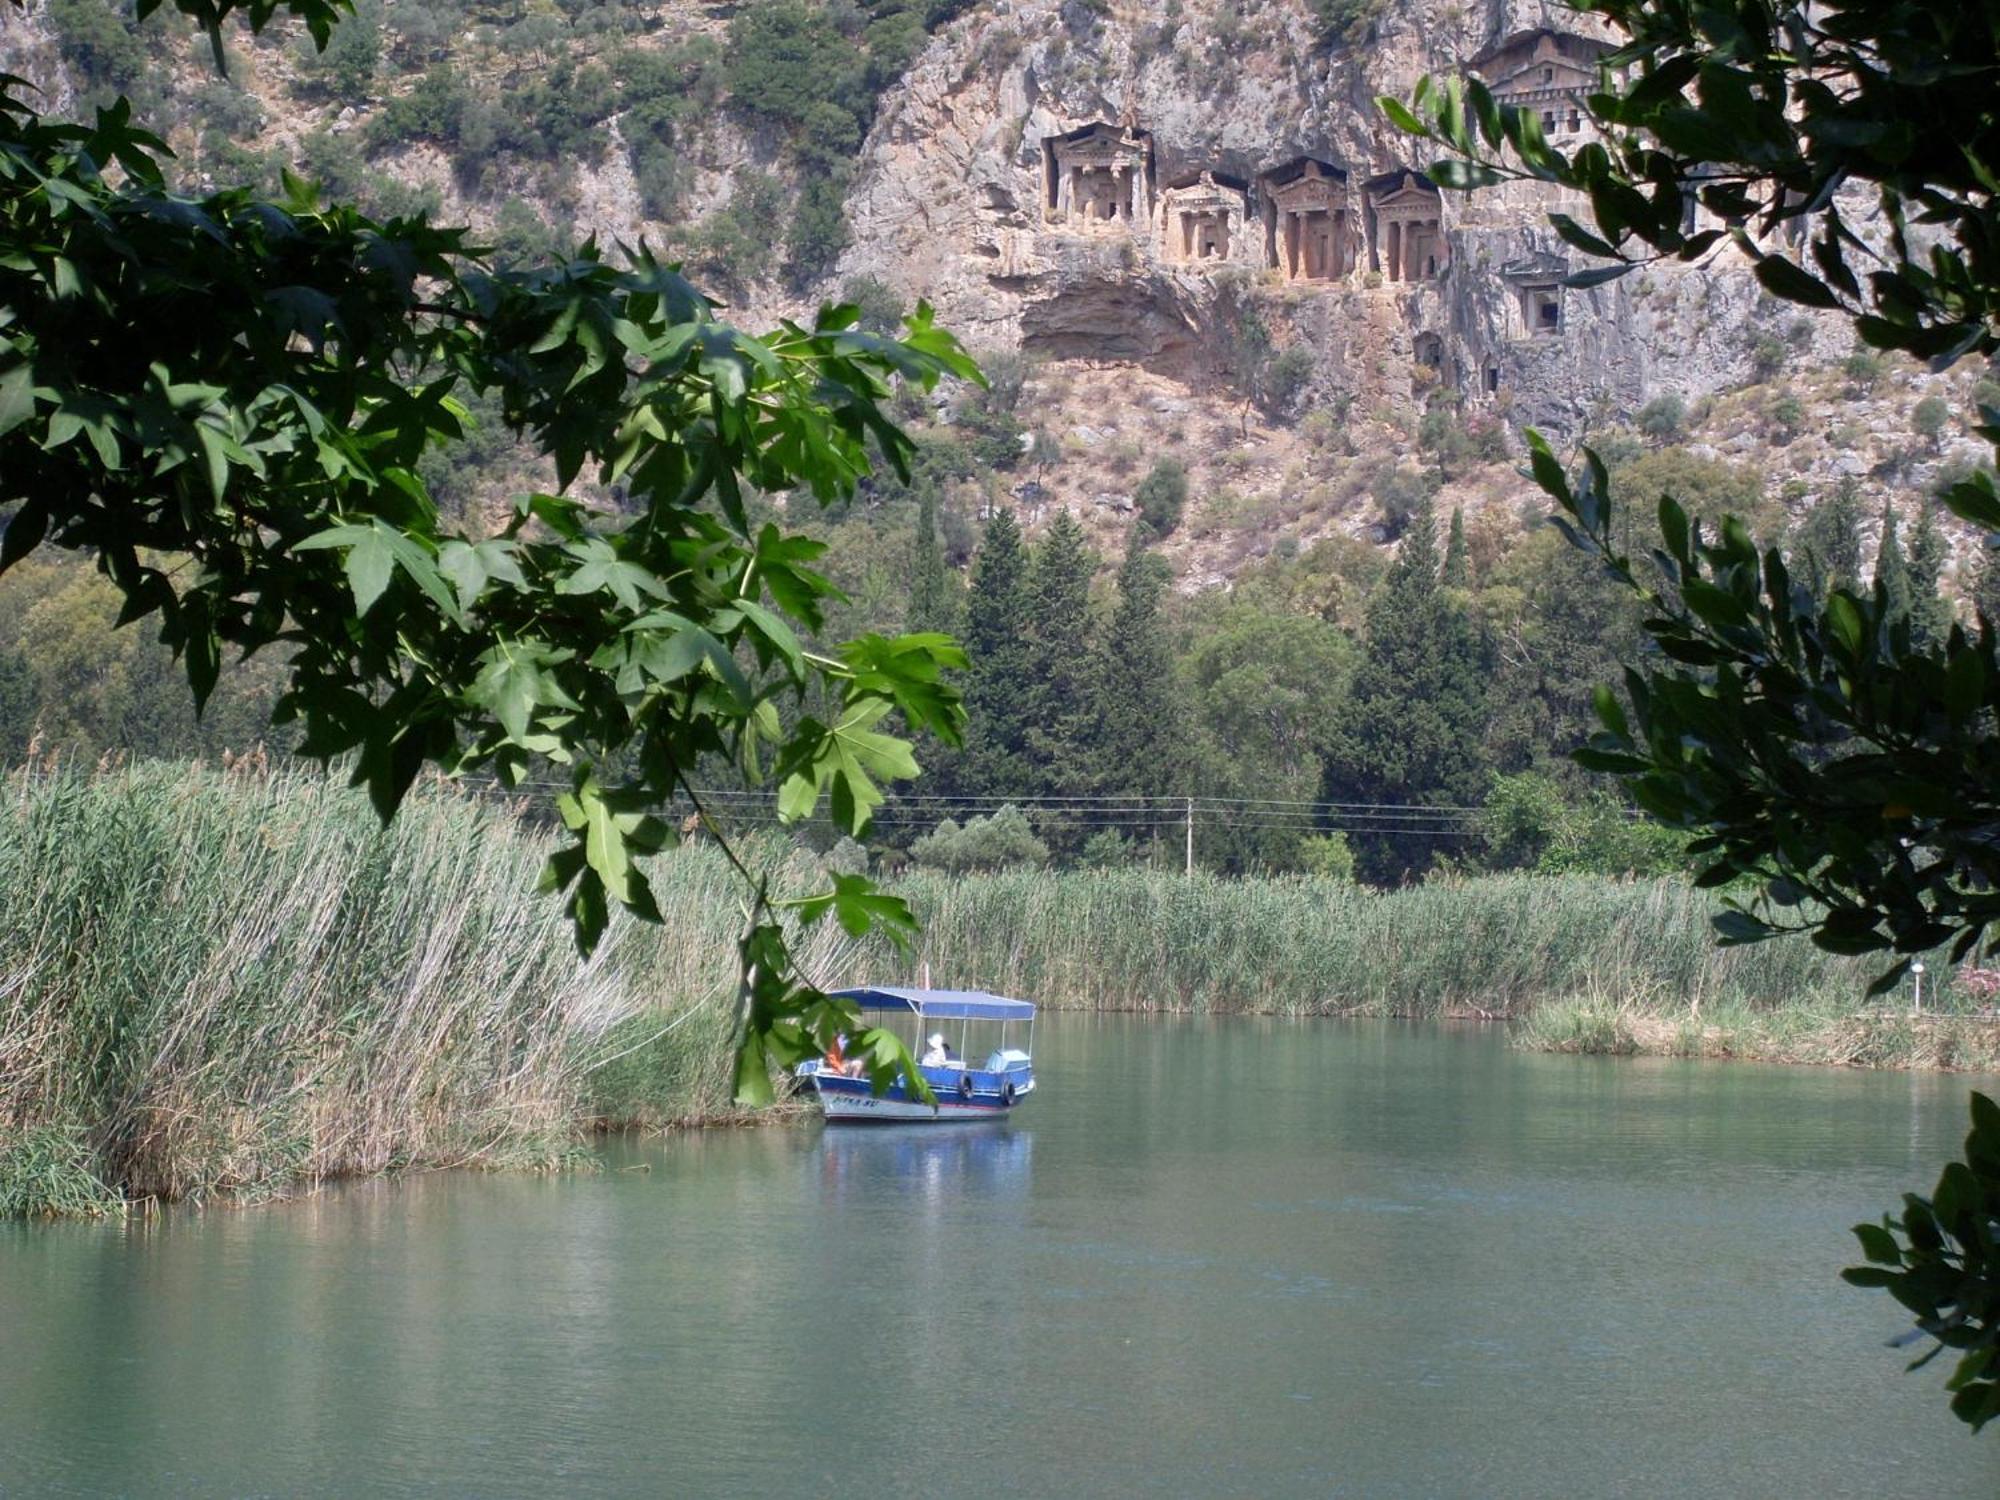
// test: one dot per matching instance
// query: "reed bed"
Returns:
(1493, 946)
(226, 983)
(1871, 1036)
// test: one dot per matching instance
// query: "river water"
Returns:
(1228, 1258)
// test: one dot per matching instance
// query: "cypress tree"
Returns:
(1457, 572)
(1413, 729)
(1930, 611)
(931, 601)
(1892, 572)
(1137, 731)
(1058, 629)
(1828, 542)
(999, 686)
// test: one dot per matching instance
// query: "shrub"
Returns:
(1928, 418)
(222, 106)
(1326, 855)
(345, 71)
(1287, 376)
(1664, 416)
(1863, 368)
(996, 842)
(97, 42)
(1108, 849)
(1345, 21)
(1162, 496)
(1768, 356)
(1489, 438)
(733, 244)
(436, 109)
(1788, 414)
(1399, 489)
(881, 304)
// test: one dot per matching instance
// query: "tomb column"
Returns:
(1394, 268)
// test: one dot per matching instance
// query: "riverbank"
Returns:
(1869, 1037)
(225, 985)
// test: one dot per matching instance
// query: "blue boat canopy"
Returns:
(943, 1005)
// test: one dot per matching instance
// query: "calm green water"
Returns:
(1233, 1258)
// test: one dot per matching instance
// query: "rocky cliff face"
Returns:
(1240, 265)
(951, 206)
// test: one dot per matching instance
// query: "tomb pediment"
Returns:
(1206, 192)
(1542, 266)
(1542, 45)
(1404, 192)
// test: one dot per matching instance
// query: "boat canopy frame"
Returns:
(962, 1006)
(939, 1005)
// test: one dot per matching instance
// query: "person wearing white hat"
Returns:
(936, 1053)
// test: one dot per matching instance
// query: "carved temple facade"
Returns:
(1098, 178)
(1202, 219)
(1406, 227)
(1316, 224)
(1309, 232)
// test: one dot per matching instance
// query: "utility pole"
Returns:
(1190, 838)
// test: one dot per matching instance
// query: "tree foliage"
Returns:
(1412, 727)
(997, 841)
(1938, 1259)
(225, 402)
(1820, 746)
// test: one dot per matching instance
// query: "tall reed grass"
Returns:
(223, 982)
(1493, 945)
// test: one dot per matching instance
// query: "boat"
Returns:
(964, 1092)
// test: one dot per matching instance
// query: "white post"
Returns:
(1917, 993)
(1190, 837)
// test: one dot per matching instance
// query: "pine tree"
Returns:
(1457, 572)
(1413, 730)
(1827, 542)
(1138, 752)
(1892, 572)
(1930, 611)
(999, 686)
(1058, 629)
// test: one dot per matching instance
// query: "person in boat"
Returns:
(837, 1060)
(936, 1052)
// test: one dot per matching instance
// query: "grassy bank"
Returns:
(216, 983)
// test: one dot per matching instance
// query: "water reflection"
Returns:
(944, 1167)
